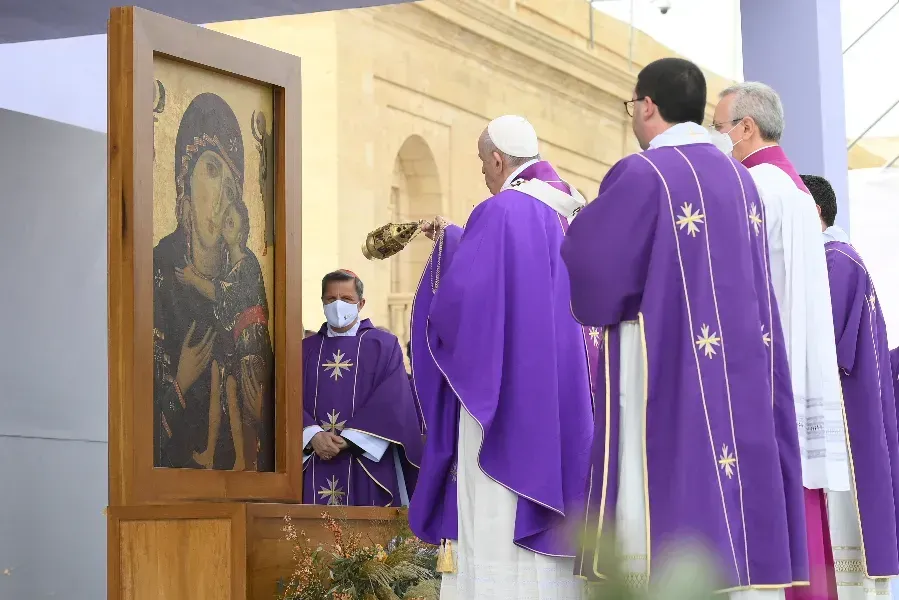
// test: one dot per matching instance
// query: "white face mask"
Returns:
(722, 141)
(340, 314)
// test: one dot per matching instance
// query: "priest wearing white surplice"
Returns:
(751, 117)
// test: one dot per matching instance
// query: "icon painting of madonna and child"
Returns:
(213, 268)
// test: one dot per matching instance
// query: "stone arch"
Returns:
(414, 194)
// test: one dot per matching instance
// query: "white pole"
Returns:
(737, 47)
(870, 27)
(630, 52)
(872, 125)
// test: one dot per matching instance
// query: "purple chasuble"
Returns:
(359, 383)
(870, 406)
(823, 585)
(498, 337)
(676, 241)
(894, 364)
(543, 171)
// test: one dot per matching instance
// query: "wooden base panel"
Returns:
(216, 551)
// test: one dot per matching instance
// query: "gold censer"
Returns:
(387, 240)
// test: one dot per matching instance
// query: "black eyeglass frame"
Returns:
(629, 105)
(715, 126)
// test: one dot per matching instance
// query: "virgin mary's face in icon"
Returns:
(213, 188)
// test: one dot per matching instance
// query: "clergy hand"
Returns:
(194, 359)
(325, 446)
(431, 228)
(187, 275)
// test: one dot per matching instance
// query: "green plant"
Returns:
(684, 572)
(350, 568)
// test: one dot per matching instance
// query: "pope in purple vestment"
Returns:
(868, 396)
(493, 340)
(356, 396)
(695, 436)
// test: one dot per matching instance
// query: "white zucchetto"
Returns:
(514, 136)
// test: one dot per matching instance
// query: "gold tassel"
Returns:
(441, 556)
(445, 562)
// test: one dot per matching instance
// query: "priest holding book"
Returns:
(500, 368)
(361, 429)
(863, 521)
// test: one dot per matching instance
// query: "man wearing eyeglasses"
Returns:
(750, 118)
(671, 261)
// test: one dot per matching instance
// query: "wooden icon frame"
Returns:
(136, 37)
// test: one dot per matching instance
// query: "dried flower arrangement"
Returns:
(353, 568)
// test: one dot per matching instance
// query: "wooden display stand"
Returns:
(213, 551)
(189, 533)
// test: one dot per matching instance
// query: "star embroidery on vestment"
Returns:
(332, 424)
(595, 335)
(766, 337)
(689, 219)
(332, 492)
(454, 473)
(337, 363)
(707, 341)
(727, 461)
(872, 300)
(755, 218)
(157, 278)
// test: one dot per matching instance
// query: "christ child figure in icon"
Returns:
(241, 308)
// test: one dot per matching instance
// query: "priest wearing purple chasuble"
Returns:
(361, 428)
(863, 521)
(695, 427)
(750, 118)
(501, 370)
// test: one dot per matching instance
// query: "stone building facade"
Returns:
(394, 99)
